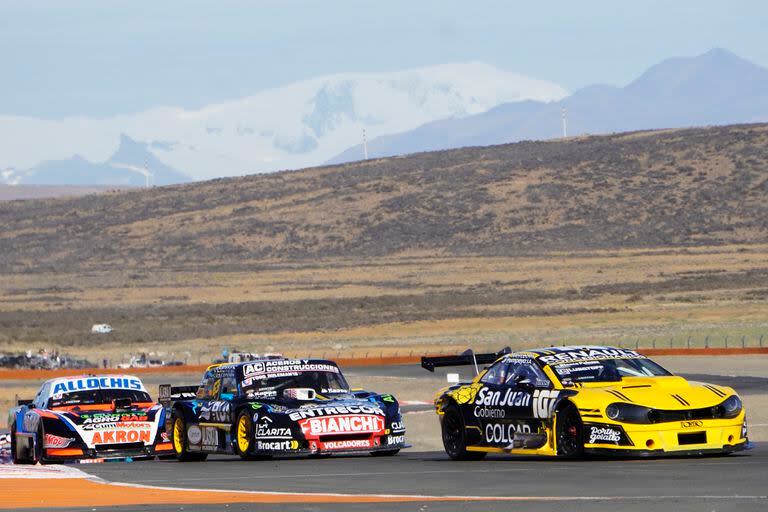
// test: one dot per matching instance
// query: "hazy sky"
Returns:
(101, 58)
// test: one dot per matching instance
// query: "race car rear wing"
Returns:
(466, 358)
(167, 393)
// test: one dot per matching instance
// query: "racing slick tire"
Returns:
(179, 438)
(569, 432)
(455, 436)
(39, 441)
(244, 437)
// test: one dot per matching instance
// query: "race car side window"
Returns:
(42, 394)
(526, 373)
(206, 390)
(228, 388)
(495, 374)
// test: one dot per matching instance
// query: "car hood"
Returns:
(669, 393)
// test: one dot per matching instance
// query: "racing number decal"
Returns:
(544, 402)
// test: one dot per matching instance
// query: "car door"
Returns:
(507, 405)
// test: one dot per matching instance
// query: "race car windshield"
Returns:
(608, 370)
(97, 397)
(321, 382)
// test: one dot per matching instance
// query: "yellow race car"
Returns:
(571, 401)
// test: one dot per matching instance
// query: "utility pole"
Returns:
(146, 172)
(562, 115)
(365, 146)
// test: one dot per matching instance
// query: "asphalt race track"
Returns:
(735, 482)
(728, 483)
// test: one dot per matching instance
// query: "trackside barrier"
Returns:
(347, 362)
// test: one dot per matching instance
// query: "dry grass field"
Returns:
(639, 239)
(648, 297)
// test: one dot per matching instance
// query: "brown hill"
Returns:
(647, 189)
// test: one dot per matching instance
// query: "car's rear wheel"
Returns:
(455, 436)
(568, 432)
(179, 439)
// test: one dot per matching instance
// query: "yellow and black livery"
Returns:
(576, 400)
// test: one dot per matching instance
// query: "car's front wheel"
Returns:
(455, 436)
(179, 438)
(244, 437)
(568, 432)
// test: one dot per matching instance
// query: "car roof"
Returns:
(549, 351)
(233, 366)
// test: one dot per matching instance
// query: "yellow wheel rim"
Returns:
(243, 431)
(178, 435)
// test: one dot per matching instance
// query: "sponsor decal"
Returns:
(388, 398)
(544, 401)
(164, 437)
(333, 391)
(283, 368)
(397, 426)
(210, 436)
(52, 441)
(504, 433)
(112, 421)
(217, 411)
(312, 411)
(507, 398)
(344, 424)
(68, 386)
(691, 424)
(395, 440)
(265, 432)
(262, 394)
(590, 354)
(347, 444)
(194, 434)
(604, 435)
(121, 436)
(277, 445)
(744, 428)
(465, 394)
(489, 412)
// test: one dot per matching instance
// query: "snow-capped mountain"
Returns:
(294, 126)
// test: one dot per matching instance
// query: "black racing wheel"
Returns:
(568, 432)
(455, 436)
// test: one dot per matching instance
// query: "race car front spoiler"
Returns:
(624, 452)
(303, 452)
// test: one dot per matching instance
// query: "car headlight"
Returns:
(731, 407)
(628, 413)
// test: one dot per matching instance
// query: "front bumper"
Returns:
(624, 452)
(700, 437)
(318, 450)
(82, 453)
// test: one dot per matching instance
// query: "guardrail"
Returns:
(382, 359)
